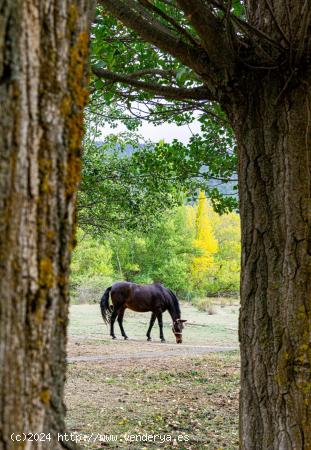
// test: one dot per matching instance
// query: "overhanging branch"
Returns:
(169, 92)
(134, 16)
(170, 20)
(211, 32)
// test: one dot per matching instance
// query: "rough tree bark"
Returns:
(274, 140)
(43, 75)
(257, 67)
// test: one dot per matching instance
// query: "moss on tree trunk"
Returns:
(43, 76)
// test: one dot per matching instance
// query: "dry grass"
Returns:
(193, 397)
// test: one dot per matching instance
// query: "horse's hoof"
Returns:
(125, 338)
(162, 340)
(114, 337)
(148, 339)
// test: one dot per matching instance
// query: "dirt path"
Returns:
(84, 351)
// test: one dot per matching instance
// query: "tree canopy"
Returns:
(129, 183)
(162, 54)
(119, 191)
(135, 80)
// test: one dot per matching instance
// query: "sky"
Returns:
(166, 131)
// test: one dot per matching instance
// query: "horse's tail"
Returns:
(105, 308)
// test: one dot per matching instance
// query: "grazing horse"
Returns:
(141, 298)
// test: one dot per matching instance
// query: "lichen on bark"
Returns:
(43, 62)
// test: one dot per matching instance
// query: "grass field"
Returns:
(201, 328)
(130, 390)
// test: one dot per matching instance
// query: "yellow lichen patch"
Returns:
(303, 352)
(74, 240)
(72, 18)
(46, 273)
(72, 108)
(281, 378)
(45, 396)
(78, 59)
(45, 165)
(73, 174)
(45, 185)
(65, 106)
(62, 280)
(45, 168)
(39, 304)
(61, 320)
(51, 234)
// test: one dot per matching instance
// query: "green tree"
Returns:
(170, 252)
(119, 192)
(128, 183)
(163, 254)
(250, 60)
(91, 258)
(207, 163)
(91, 268)
(227, 230)
(129, 252)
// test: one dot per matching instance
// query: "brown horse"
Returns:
(141, 298)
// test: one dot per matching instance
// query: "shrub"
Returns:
(206, 305)
(89, 290)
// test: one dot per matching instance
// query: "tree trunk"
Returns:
(274, 137)
(43, 57)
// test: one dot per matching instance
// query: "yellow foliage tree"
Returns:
(205, 242)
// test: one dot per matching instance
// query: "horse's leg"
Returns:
(120, 322)
(112, 320)
(152, 319)
(160, 321)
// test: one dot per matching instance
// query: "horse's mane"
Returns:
(172, 297)
(175, 301)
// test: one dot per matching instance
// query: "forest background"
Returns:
(148, 211)
(142, 220)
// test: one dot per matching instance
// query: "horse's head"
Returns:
(177, 328)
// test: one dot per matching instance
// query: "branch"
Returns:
(197, 93)
(167, 2)
(161, 72)
(303, 29)
(247, 26)
(211, 32)
(132, 15)
(169, 19)
(278, 26)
